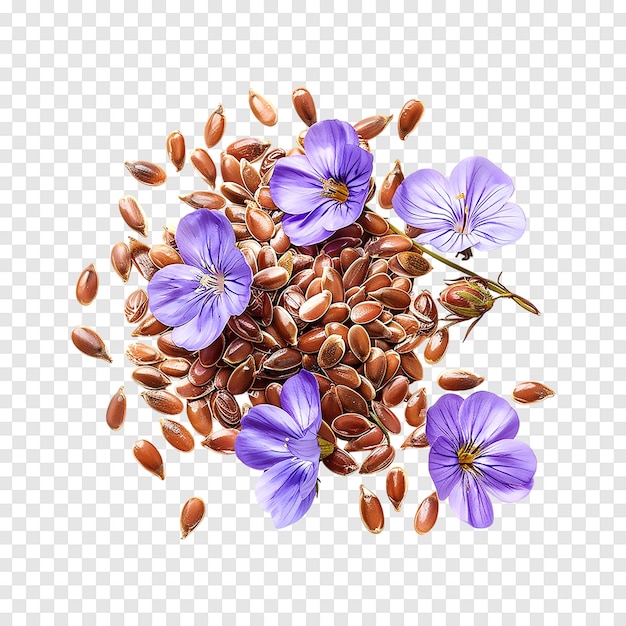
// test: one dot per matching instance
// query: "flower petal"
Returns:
(508, 468)
(237, 282)
(470, 502)
(442, 420)
(276, 422)
(485, 417)
(295, 186)
(448, 240)
(204, 328)
(175, 294)
(304, 230)
(443, 466)
(495, 227)
(300, 397)
(323, 145)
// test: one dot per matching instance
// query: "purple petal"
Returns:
(508, 468)
(204, 328)
(304, 230)
(442, 420)
(295, 186)
(175, 294)
(306, 448)
(443, 466)
(448, 240)
(497, 226)
(300, 397)
(237, 282)
(323, 145)
(425, 200)
(286, 490)
(485, 417)
(273, 420)
(470, 502)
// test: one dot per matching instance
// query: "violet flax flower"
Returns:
(199, 297)
(474, 455)
(284, 442)
(324, 189)
(471, 210)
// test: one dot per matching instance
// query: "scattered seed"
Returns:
(89, 342)
(387, 418)
(162, 401)
(175, 146)
(149, 458)
(397, 486)
(204, 165)
(143, 354)
(349, 425)
(409, 117)
(191, 515)
(200, 416)
(370, 127)
(436, 347)
(150, 377)
(427, 513)
(459, 380)
(204, 200)
(215, 126)
(121, 261)
(222, 441)
(177, 435)
(146, 172)
(367, 441)
(175, 368)
(87, 285)
(529, 392)
(149, 327)
(249, 148)
(262, 109)
(116, 411)
(140, 256)
(371, 510)
(414, 412)
(162, 255)
(304, 105)
(136, 306)
(391, 183)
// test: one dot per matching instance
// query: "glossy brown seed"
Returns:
(436, 347)
(175, 146)
(176, 368)
(365, 312)
(326, 433)
(393, 365)
(204, 200)
(392, 298)
(390, 245)
(359, 342)
(331, 405)
(337, 312)
(415, 410)
(177, 435)
(459, 380)
(340, 462)
(238, 351)
(116, 411)
(366, 389)
(401, 282)
(191, 515)
(356, 273)
(344, 375)
(411, 366)
(272, 394)
(236, 193)
(166, 344)
(370, 127)
(304, 105)
(213, 352)
(413, 264)
(200, 416)
(349, 425)
(409, 117)
(89, 342)
(249, 148)
(263, 198)
(230, 169)
(120, 260)
(270, 278)
(397, 485)
(169, 238)
(163, 401)
(417, 439)
(150, 377)
(242, 377)
(246, 328)
(531, 391)
(315, 307)
(357, 297)
(336, 328)
(222, 441)
(367, 441)
(262, 109)
(375, 367)
(311, 341)
(282, 360)
(162, 255)
(149, 327)
(371, 511)
(225, 408)
(269, 160)
(391, 183)
(149, 458)
(259, 224)
(424, 304)
(387, 418)
(143, 354)
(214, 127)
(280, 241)
(395, 391)
(351, 401)
(200, 375)
(377, 281)
(285, 325)
(204, 165)
(427, 514)
(189, 391)
(378, 459)
(146, 172)
(136, 306)
(331, 351)
(87, 285)
(331, 280)
(140, 256)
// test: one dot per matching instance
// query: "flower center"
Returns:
(467, 454)
(213, 280)
(462, 227)
(334, 189)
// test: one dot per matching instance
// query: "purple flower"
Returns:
(199, 297)
(325, 189)
(473, 455)
(469, 210)
(284, 442)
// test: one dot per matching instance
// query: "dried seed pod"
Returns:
(146, 172)
(222, 441)
(176, 368)
(204, 165)
(162, 255)
(530, 391)
(204, 200)
(136, 306)
(331, 351)
(89, 342)
(304, 105)
(175, 146)
(191, 515)
(150, 377)
(270, 278)
(427, 514)
(373, 438)
(87, 285)
(371, 127)
(116, 411)
(378, 459)
(249, 148)
(437, 346)
(359, 342)
(350, 425)
(340, 462)
(411, 366)
(149, 458)
(149, 327)
(397, 485)
(262, 109)
(315, 307)
(200, 416)
(215, 126)
(409, 117)
(162, 401)
(371, 510)
(120, 260)
(242, 377)
(387, 418)
(143, 354)
(177, 435)
(391, 183)
(415, 410)
(140, 256)
(459, 380)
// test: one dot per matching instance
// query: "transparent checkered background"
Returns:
(87, 536)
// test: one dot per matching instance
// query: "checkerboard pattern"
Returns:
(88, 537)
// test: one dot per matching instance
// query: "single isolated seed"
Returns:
(417, 439)
(370, 127)
(177, 435)
(530, 391)
(146, 172)
(149, 458)
(175, 145)
(391, 183)
(191, 515)
(200, 416)
(150, 377)
(204, 165)
(262, 109)
(121, 261)
(222, 441)
(163, 401)
(304, 105)
(87, 285)
(417, 403)
(133, 214)
(214, 128)
(371, 510)
(409, 117)
(459, 380)
(427, 513)
(436, 347)
(89, 342)
(116, 411)
(397, 486)
(204, 200)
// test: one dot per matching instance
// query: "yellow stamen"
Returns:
(334, 189)
(467, 454)
(213, 281)
(462, 228)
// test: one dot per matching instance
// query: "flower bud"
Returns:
(467, 298)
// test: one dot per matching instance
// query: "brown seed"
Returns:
(378, 459)
(242, 377)
(395, 391)
(391, 183)
(169, 238)
(175, 146)
(331, 280)
(249, 148)
(150, 377)
(143, 354)
(163, 401)
(200, 416)
(459, 380)
(146, 172)
(427, 513)
(392, 298)
(245, 327)
(337, 312)
(413, 264)
(409, 117)
(230, 169)
(349, 425)
(315, 307)
(204, 165)
(359, 342)
(262, 109)
(238, 351)
(304, 105)
(166, 344)
(189, 391)
(136, 306)
(225, 408)
(263, 198)
(214, 128)
(387, 418)
(280, 241)
(336, 328)
(357, 297)
(356, 273)
(116, 411)
(366, 389)
(282, 360)
(249, 176)
(344, 375)
(417, 439)
(149, 327)
(222, 441)
(200, 375)
(87, 285)
(375, 367)
(365, 312)
(530, 391)
(390, 245)
(367, 441)
(415, 410)
(176, 368)
(285, 325)
(331, 405)
(393, 365)
(436, 346)
(351, 401)
(397, 486)
(340, 462)
(120, 260)
(371, 510)
(311, 341)
(191, 515)
(270, 278)
(377, 281)
(177, 435)
(140, 256)
(149, 458)
(213, 352)
(401, 282)
(370, 127)
(162, 255)
(411, 366)
(272, 394)
(204, 200)
(331, 351)
(89, 342)
(425, 305)
(269, 160)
